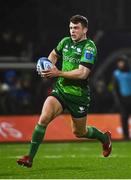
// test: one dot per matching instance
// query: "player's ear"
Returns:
(85, 30)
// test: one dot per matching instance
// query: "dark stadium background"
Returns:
(36, 26)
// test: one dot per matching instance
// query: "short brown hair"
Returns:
(79, 19)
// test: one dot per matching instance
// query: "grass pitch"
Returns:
(78, 160)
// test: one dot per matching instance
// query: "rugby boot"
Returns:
(25, 161)
(107, 146)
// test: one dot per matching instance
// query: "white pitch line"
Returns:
(73, 156)
(56, 149)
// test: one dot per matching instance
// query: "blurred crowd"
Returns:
(22, 92)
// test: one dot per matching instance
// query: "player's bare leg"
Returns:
(50, 110)
(81, 131)
(79, 126)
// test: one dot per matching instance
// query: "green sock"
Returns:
(94, 133)
(37, 138)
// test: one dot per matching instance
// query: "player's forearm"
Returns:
(74, 74)
(80, 73)
(53, 57)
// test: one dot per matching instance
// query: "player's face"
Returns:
(121, 64)
(77, 32)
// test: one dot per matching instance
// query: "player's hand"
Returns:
(53, 72)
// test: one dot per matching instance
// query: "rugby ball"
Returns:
(43, 63)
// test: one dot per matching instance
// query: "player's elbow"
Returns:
(83, 75)
(83, 72)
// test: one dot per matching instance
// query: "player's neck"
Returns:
(82, 39)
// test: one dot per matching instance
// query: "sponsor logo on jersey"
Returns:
(71, 59)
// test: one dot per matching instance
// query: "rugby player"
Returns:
(71, 90)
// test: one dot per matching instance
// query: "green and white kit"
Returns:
(74, 94)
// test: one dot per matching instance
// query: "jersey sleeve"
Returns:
(88, 57)
(60, 46)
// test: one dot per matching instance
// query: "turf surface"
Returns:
(80, 160)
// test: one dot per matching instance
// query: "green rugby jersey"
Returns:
(73, 54)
